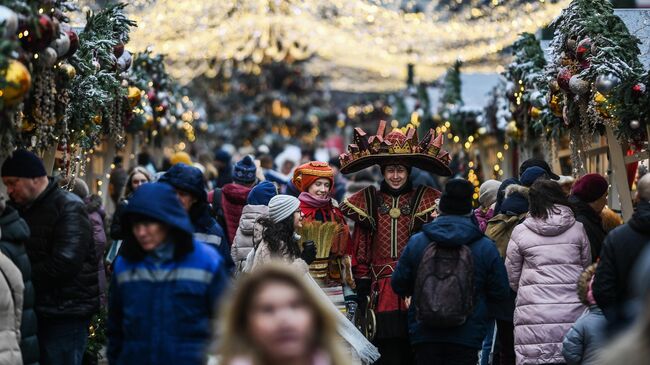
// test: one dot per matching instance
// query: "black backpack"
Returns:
(444, 286)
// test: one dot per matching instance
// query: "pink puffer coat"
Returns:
(544, 260)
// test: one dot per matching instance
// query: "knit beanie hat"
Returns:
(488, 192)
(539, 163)
(307, 174)
(262, 193)
(590, 187)
(181, 157)
(23, 163)
(222, 155)
(531, 175)
(282, 206)
(244, 170)
(457, 198)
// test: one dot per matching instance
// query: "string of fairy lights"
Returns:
(341, 38)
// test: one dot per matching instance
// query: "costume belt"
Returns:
(382, 271)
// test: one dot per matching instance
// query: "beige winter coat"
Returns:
(11, 308)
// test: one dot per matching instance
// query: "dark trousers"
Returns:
(62, 342)
(506, 335)
(445, 354)
(394, 351)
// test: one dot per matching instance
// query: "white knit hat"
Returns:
(488, 192)
(282, 206)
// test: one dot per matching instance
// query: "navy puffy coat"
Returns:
(490, 279)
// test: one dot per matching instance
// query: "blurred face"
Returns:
(281, 324)
(287, 166)
(22, 190)
(599, 204)
(297, 219)
(137, 180)
(396, 176)
(187, 199)
(150, 235)
(320, 188)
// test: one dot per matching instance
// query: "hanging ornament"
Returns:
(555, 106)
(47, 58)
(565, 117)
(578, 86)
(61, 45)
(10, 20)
(571, 44)
(639, 89)
(512, 131)
(635, 124)
(74, 43)
(599, 98)
(68, 71)
(606, 83)
(96, 65)
(134, 96)
(97, 119)
(601, 105)
(118, 50)
(40, 37)
(535, 113)
(19, 81)
(124, 61)
(583, 51)
(563, 78)
(553, 85)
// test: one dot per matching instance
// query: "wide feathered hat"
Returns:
(396, 148)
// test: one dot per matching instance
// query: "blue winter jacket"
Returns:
(490, 279)
(208, 231)
(586, 338)
(160, 308)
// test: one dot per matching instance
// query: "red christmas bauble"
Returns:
(74, 43)
(563, 78)
(37, 38)
(639, 89)
(583, 51)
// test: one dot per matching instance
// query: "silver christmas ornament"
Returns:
(61, 45)
(47, 57)
(606, 83)
(578, 86)
(635, 124)
(10, 20)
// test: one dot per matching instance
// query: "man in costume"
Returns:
(384, 220)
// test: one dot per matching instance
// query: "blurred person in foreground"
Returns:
(275, 317)
(165, 285)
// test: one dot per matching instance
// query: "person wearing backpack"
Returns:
(451, 271)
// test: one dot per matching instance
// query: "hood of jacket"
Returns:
(641, 218)
(501, 193)
(186, 178)
(559, 220)
(452, 230)
(249, 216)
(94, 204)
(515, 200)
(159, 202)
(236, 193)
(12, 227)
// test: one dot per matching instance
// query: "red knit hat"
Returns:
(307, 174)
(590, 187)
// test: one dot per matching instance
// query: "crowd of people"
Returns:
(308, 262)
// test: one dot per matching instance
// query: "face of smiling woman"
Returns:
(320, 188)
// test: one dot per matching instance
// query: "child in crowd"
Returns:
(587, 336)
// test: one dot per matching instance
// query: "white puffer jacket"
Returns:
(11, 308)
(246, 237)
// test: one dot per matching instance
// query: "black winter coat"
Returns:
(593, 224)
(62, 253)
(116, 223)
(13, 233)
(622, 248)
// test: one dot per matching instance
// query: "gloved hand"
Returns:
(308, 252)
(363, 287)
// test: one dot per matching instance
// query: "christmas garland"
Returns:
(596, 74)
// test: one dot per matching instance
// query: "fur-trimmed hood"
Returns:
(515, 201)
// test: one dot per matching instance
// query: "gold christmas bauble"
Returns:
(19, 81)
(68, 70)
(134, 96)
(599, 98)
(535, 112)
(512, 130)
(97, 119)
(555, 106)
